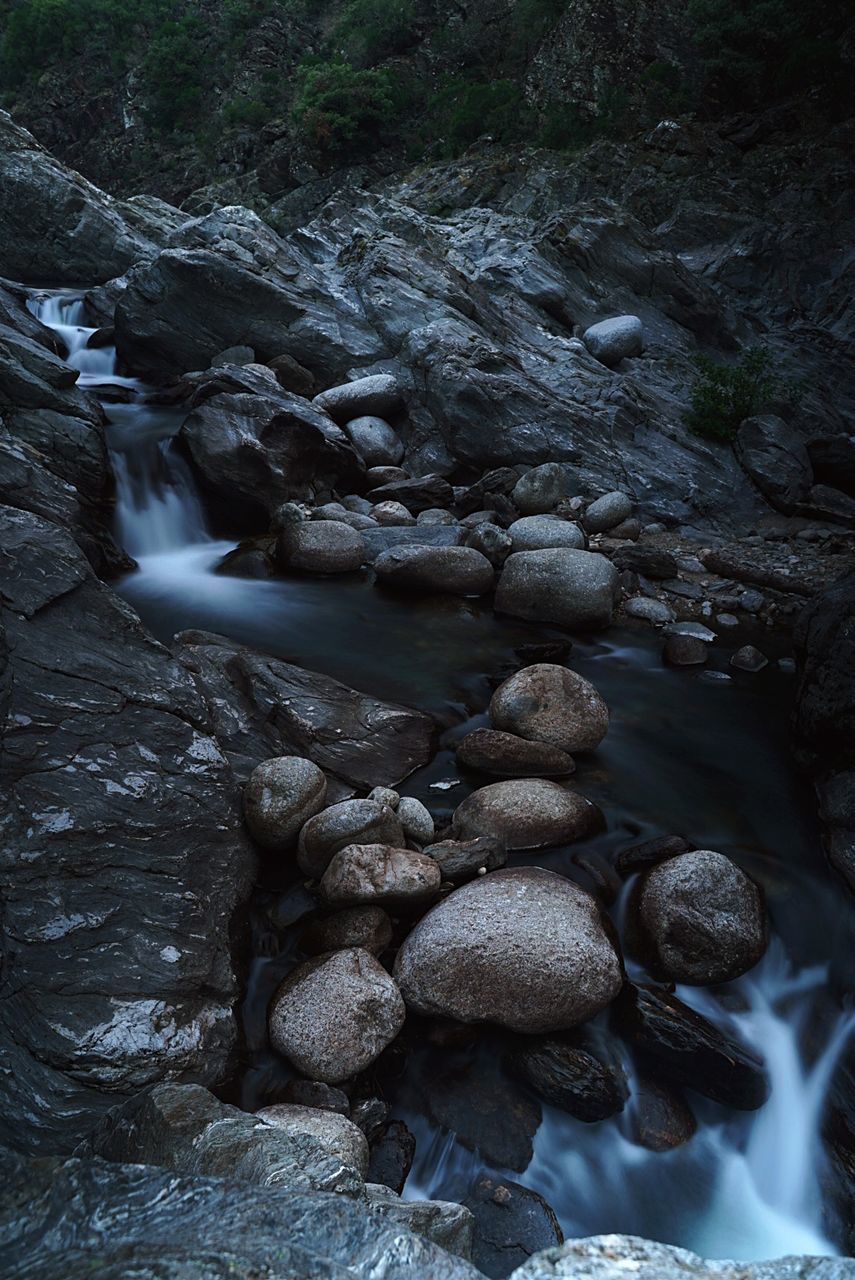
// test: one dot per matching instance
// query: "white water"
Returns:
(746, 1186)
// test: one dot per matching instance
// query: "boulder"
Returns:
(541, 533)
(320, 546)
(460, 860)
(523, 948)
(418, 494)
(541, 489)
(186, 1129)
(699, 919)
(611, 341)
(492, 541)
(377, 444)
(367, 927)
(511, 1223)
(392, 514)
(349, 822)
(416, 820)
(454, 570)
(686, 1048)
(614, 1257)
(551, 704)
(386, 539)
(280, 797)
(76, 1217)
(508, 756)
(436, 515)
(335, 1014)
(376, 873)
(649, 562)
(607, 512)
(573, 589)
(527, 813)
(291, 376)
(371, 397)
(337, 1136)
(776, 458)
(685, 651)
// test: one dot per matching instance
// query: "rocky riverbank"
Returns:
(479, 404)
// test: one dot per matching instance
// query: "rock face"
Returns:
(281, 795)
(332, 1016)
(777, 460)
(551, 704)
(57, 226)
(575, 589)
(186, 1129)
(524, 948)
(527, 814)
(79, 1216)
(611, 341)
(379, 873)
(116, 962)
(262, 707)
(700, 919)
(457, 570)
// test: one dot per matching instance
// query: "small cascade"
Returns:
(64, 312)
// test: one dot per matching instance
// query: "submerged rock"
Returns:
(568, 1076)
(551, 704)
(332, 1016)
(524, 948)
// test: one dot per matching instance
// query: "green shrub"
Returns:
(464, 110)
(172, 75)
(369, 30)
(723, 395)
(339, 107)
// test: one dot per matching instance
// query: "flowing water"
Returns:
(701, 753)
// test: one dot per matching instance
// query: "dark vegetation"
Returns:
(374, 73)
(723, 395)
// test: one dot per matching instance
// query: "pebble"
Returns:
(653, 611)
(695, 629)
(727, 620)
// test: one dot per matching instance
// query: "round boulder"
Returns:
(459, 571)
(367, 927)
(541, 489)
(363, 873)
(611, 341)
(574, 589)
(540, 533)
(699, 919)
(549, 703)
(508, 756)
(608, 512)
(280, 796)
(392, 515)
(523, 948)
(378, 444)
(349, 822)
(527, 813)
(320, 546)
(333, 1016)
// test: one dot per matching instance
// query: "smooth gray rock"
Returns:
(349, 822)
(460, 860)
(607, 512)
(416, 820)
(656, 612)
(527, 813)
(320, 546)
(374, 396)
(77, 1217)
(523, 948)
(611, 341)
(492, 541)
(186, 1129)
(452, 570)
(392, 515)
(700, 918)
(378, 444)
(574, 589)
(280, 797)
(552, 704)
(332, 1016)
(508, 756)
(540, 533)
(368, 927)
(541, 489)
(379, 873)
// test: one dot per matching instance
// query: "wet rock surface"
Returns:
(511, 1223)
(551, 704)
(280, 797)
(569, 1076)
(527, 813)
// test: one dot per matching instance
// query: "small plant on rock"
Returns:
(723, 395)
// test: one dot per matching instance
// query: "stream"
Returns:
(703, 753)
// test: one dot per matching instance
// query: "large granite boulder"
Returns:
(524, 948)
(57, 226)
(123, 854)
(527, 813)
(574, 589)
(551, 704)
(613, 1257)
